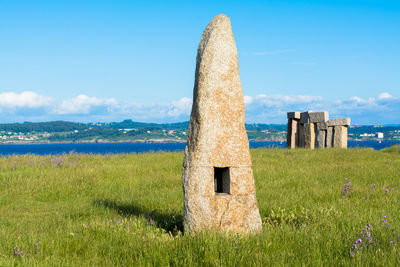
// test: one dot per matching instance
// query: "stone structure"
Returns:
(218, 183)
(315, 118)
(338, 132)
(293, 129)
(316, 130)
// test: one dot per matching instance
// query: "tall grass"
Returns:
(76, 209)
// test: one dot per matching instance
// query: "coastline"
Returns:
(91, 142)
(141, 141)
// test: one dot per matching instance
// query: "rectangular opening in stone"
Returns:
(222, 180)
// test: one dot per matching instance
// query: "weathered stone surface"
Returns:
(340, 136)
(339, 122)
(329, 137)
(322, 138)
(322, 125)
(302, 135)
(292, 139)
(311, 134)
(304, 117)
(217, 139)
(319, 116)
(293, 115)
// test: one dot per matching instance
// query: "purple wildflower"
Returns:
(17, 251)
(37, 244)
(346, 188)
(384, 219)
(372, 186)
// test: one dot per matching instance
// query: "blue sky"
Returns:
(113, 60)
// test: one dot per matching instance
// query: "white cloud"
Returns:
(385, 96)
(83, 104)
(11, 101)
(263, 108)
(247, 99)
(381, 110)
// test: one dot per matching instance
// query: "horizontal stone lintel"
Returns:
(322, 116)
(339, 122)
(293, 115)
(304, 117)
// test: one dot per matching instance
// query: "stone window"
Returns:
(222, 180)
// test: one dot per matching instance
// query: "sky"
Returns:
(110, 60)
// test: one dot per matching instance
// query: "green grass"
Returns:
(96, 210)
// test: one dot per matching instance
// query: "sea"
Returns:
(117, 148)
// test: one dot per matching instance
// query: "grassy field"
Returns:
(79, 210)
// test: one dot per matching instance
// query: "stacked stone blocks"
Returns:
(315, 129)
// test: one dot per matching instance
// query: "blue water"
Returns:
(115, 148)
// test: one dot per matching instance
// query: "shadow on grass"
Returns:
(171, 222)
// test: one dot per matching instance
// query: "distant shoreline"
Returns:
(145, 141)
(91, 142)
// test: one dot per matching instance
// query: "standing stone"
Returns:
(322, 133)
(218, 183)
(311, 134)
(339, 132)
(329, 137)
(322, 139)
(292, 139)
(302, 135)
(340, 136)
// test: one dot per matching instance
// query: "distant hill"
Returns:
(131, 131)
(65, 126)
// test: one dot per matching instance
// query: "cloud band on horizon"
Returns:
(31, 106)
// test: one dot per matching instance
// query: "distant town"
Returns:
(130, 131)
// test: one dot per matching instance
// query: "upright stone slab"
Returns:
(322, 133)
(302, 134)
(329, 137)
(292, 140)
(339, 132)
(218, 183)
(340, 136)
(311, 135)
(322, 139)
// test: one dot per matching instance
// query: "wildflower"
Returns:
(37, 244)
(384, 219)
(368, 234)
(372, 186)
(17, 251)
(346, 188)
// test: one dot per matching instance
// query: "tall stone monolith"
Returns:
(218, 183)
